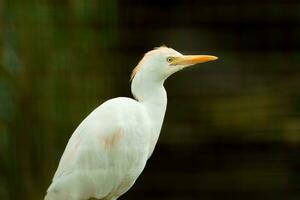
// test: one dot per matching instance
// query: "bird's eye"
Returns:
(169, 59)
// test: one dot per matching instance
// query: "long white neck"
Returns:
(151, 94)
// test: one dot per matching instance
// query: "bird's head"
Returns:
(156, 66)
(160, 63)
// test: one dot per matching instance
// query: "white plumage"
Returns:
(109, 149)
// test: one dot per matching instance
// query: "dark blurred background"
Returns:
(232, 128)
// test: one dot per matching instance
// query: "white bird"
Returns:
(109, 149)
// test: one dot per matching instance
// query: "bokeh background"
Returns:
(232, 127)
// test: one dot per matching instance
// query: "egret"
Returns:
(109, 149)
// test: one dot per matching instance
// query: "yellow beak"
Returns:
(192, 59)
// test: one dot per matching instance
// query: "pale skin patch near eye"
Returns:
(111, 140)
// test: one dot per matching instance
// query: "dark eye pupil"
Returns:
(169, 59)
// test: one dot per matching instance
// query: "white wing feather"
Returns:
(105, 154)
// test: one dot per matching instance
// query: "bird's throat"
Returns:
(156, 108)
(153, 97)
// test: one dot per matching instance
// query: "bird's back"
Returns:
(105, 154)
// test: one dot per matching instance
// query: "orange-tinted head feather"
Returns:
(140, 64)
(136, 69)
